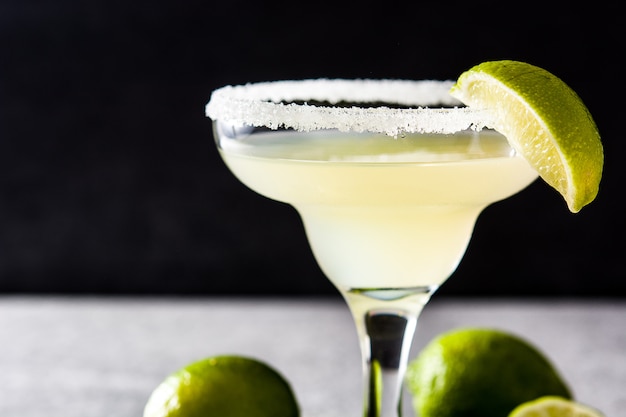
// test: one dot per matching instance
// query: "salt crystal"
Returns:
(271, 104)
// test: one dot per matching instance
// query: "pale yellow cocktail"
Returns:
(381, 212)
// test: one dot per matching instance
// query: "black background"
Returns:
(110, 182)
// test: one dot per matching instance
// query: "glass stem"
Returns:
(385, 320)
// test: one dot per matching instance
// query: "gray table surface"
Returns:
(102, 357)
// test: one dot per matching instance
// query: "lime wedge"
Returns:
(544, 120)
(554, 407)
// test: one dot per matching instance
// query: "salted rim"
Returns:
(270, 104)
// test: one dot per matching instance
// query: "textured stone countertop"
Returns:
(102, 357)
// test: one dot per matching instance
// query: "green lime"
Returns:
(223, 386)
(479, 372)
(551, 406)
(544, 120)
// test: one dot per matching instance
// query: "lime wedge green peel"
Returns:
(554, 407)
(544, 120)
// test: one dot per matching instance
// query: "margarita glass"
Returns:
(389, 177)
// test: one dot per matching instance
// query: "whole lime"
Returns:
(223, 386)
(479, 372)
